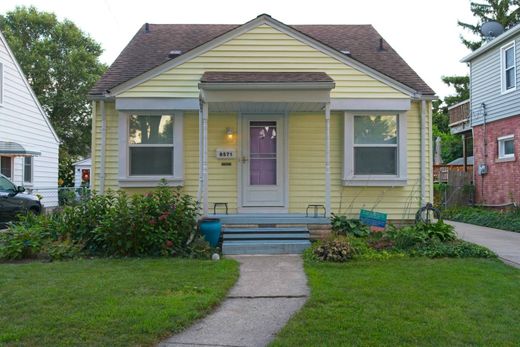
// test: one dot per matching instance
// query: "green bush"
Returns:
(341, 225)
(451, 249)
(160, 223)
(19, 242)
(337, 249)
(420, 233)
(500, 219)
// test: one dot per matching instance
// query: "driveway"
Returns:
(269, 291)
(504, 243)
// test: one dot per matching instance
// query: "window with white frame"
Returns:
(508, 63)
(1, 83)
(375, 149)
(27, 169)
(151, 145)
(506, 147)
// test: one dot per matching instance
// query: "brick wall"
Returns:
(502, 183)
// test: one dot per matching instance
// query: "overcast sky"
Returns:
(423, 32)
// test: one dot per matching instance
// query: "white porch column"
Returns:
(327, 158)
(205, 158)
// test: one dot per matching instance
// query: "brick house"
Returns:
(492, 115)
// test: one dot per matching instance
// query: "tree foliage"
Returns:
(506, 12)
(61, 63)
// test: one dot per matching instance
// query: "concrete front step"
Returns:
(267, 236)
(286, 230)
(265, 246)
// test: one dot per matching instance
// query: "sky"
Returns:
(423, 32)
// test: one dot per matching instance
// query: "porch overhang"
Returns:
(268, 91)
(13, 149)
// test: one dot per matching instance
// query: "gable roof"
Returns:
(151, 46)
(29, 88)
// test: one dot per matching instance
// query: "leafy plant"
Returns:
(341, 225)
(451, 249)
(508, 219)
(336, 249)
(19, 242)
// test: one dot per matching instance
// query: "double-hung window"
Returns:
(375, 149)
(506, 147)
(508, 63)
(151, 148)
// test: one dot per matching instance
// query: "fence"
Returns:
(60, 196)
(458, 191)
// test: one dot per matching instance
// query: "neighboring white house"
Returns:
(82, 172)
(28, 143)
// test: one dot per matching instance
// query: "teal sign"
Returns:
(373, 219)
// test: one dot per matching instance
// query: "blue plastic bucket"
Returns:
(211, 228)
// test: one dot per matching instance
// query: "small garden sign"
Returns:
(375, 220)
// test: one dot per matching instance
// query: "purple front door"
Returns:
(262, 150)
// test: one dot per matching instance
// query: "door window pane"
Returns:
(263, 149)
(375, 129)
(375, 161)
(147, 161)
(151, 129)
(6, 166)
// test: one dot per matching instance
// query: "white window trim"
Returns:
(500, 141)
(2, 85)
(177, 179)
(503, 49)
(28, 183)
(349, 179)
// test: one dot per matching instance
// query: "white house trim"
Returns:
(262, 20)
(350, 179)
(124, 178)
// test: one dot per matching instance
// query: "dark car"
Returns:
(13, 202)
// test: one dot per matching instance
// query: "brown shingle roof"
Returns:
(148, 50)
(264, 77)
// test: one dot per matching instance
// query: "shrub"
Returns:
(420, 233)
(341, 225)
(451, 249)
(160, 223)
(337, 249)
(19, 242)
(500, 219)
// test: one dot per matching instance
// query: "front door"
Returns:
(263, 161)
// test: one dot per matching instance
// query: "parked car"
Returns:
(13, 201)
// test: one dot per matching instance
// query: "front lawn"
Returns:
(107, 302)
(405, 302)
(505, 220)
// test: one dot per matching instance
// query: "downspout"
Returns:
(423, 153)
(201, 144)
(103, 147)
(327, 159)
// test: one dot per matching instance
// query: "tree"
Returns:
(61, 63)
(506, 12)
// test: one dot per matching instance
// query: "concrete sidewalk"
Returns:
(504, 243)
(269, 291)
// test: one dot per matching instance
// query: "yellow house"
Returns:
(266, 120)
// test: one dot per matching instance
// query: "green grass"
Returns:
(505, 220)
(408, 302)
(115, 302)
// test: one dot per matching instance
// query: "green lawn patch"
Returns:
(505, 220)
(408, 302)
(107, 302)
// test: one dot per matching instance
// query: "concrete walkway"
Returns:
(504, 243)
(269, 291)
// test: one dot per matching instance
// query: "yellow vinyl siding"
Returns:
(307, 169)
(262, 49)
(112, 151)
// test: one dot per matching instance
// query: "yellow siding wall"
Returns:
(306, 145)
(262, 49)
